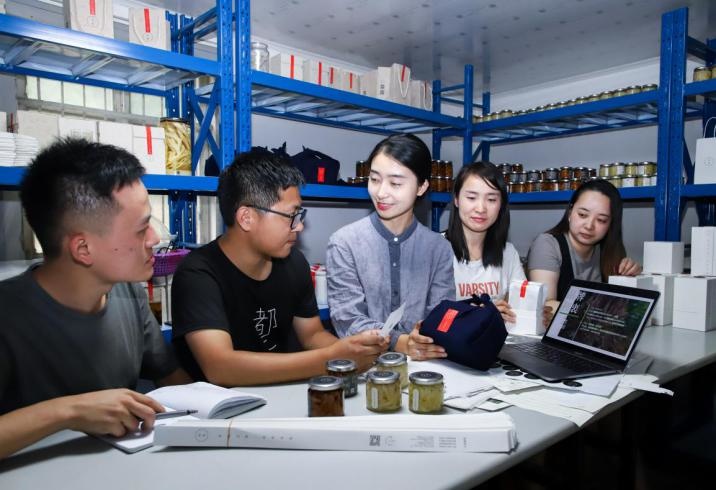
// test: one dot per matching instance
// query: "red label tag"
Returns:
(447, 320)
(320, 73)
(291, 67)
(351, 81)
(523, 289)
(150, 290)
(331, 82)
(93, 7)
(402, 74)
(148, 130)
(321, 175)
(147, 23)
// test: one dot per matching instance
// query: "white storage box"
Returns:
(77, 128)
(149, 27)
(388, 83)
(320, 73)
(421, 95)
(664, 257)
(117, 134)
(527, 301)
(287, 65)
(350, 82)
(703, 251)
(148, 145)
(41, 125)
(705, 161)
(91, 16)
(643, 281)
(663, 313)
(695, 303)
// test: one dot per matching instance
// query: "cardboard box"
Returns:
(695, 303)
(703, 251)
(117, 134)
(149, 27)
(527, 301)
(320, 73)
(41, 125)
(77, 128)
(91, 16)
(148, 147)
(388, 83)
(663, 313)
(350, 82)
(664, 257)
(287, 65)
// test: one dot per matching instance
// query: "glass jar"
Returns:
(619, 92)
(516, 177)
(646, 168)
(605, 95)
(435, 168)
(575, 183)
(550, 185)
(628, 180)
(649, 87)
(615, 180)
(643, 180)
(441, 183)
(534, 175)
(530, 186)
(348, 372)
(581, 173)
(517, 187)
(446, 169)
(325, 396)
(382, 391)
(396, 362)
(702, 73)
(631, 168)
(259, 56)
(565, 173)
(616, 169)
(551, 173)
(426, 392)
(605, 169)
(713, 72)
(653, 179)
(434, 183)
(633, 89)
(564, 184)
(506, 177)
(505, 168)
(177, 145)
(518, 167)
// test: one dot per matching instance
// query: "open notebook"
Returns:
(210, 401)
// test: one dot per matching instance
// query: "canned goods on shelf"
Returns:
(631, 168)
(702, 73)
(504, 114)
(517, 187)
(533, 186)
(646, 168)
(445, 169)
(434, 183)
(633, 89)
(435, 168)
(441, 184)
(643, 180)
(565, 173)
(581, 173)
(619, 92)
(506, 177)
(575, 183)
(616, 169)
(605, 95)
(551, 173)
(505, 168)
(550, 185)
(615, 180)
(534, 175)
(592, 172)
(628, 180)
(593, 98)
(649, 87)
(517, 167)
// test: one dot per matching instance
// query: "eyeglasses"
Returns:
(296, 218)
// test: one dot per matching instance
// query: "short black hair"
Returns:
(77, 177)
(496, 236)
(407, 149)
(255, 178)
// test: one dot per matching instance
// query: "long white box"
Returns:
(490, 432)
(149, 27)
(664, 257)
(91, 16)
(350, 82)
(695, 303)
(148, 147)
(663, 313)
(703, 251)
(77, 128)
(287, 65)
(641, 281)
(42, 125)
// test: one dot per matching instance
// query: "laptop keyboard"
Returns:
(555, 356)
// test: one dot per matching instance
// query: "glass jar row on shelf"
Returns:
(702, 73)
(608, 94)
(517, 175)
(630, 168)
(573, 184)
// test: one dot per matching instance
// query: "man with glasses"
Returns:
(243, 306)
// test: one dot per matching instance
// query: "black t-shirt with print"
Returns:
(209, 292)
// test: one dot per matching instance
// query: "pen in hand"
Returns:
(173, 413)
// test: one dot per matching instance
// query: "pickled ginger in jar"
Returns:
(177, 145)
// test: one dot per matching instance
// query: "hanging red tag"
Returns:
(93, 7)
(523, 289)
(320, 73)
(321, 177)
(351, 81)
(331, 78)
(147, 21)
(292, 62)
(402, 74)
(148, 130)
(150, 290)
(447, 320)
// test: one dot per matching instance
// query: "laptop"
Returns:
(593, 333)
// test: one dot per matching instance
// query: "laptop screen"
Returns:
(602, 318)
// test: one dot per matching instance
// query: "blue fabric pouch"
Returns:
(471, 331)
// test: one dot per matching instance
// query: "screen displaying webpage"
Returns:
(607, 323)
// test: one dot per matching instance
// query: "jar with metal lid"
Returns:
(476, 119)
(361, 168)
(604, 169)
(259, 56)
(615, 180)
(580, 100)
(551, 173)
(397, 362)
(564, 184)
(592, 172)
(517, 187)
(445, 169)
(382, 391)
(633, 89)
(441, 183)
(713, 72)
(518, 177)
(505, 168)
(434, 183)
(593, 98)
(605, 95)
(565, 173)
(489, 117)
(646, 168)
(617, 168)
(575, 183)
(702, 73)
(620, 92)
(581, 173)
(628, 180)
(506, 177)
(534, 175)
(550, 185)
(448, 185)
(177, 145)
(426, 392)
(435, 168)
(631, 168)
(649, 87)
(504, 114)
(518, 167)
(346, 370)
(643, 180)
(530, 186)
(653, 179)
(325, 396)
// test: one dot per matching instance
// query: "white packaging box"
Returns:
(287, 65)
(350, 82)
(421, 95)
(703, 251)
(91, 16)
(388, 83)
(642, 281)
(117, 134)
(664, 257)
(663, 313)
(3, 120)
(320, 73)
(149, 27)
(527, 301)
(77, 128)
(705, 161)
(41, 125)
(148, 147)
(695, 303)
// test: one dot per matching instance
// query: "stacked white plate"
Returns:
(7, 149)
(26, 147)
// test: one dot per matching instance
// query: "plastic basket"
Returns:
(165, 263)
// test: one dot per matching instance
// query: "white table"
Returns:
(73, 460)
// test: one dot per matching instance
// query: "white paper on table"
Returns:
(459, 380)
(392, 321)
(472, 401)
(493, 405)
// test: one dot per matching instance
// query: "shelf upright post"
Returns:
(437, 107)
(467, 114)
(225, 56)
(243, 75)
(171, 100)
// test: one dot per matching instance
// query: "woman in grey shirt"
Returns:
(388, 258)
(589, 237)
